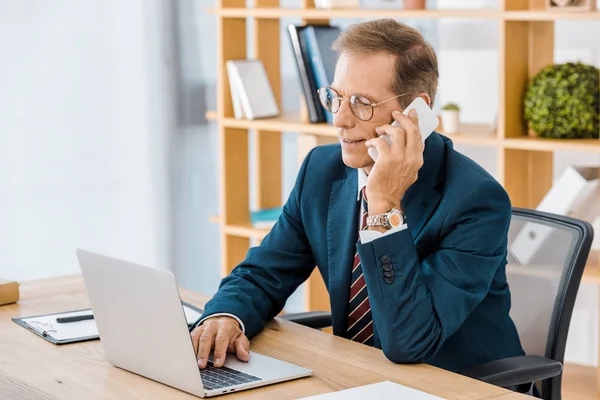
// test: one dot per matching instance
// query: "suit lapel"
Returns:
(422, 197)
(342, 235)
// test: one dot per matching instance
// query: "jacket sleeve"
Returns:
(423, 303)
(257, 289)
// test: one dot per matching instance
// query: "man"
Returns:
(421, 274)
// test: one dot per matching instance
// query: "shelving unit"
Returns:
(525, 163)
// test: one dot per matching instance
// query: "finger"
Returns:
(196, 333)
(221, 344)
(205, 345)
(408, 124)
(382, 146)
(242, 348)
(414, 140)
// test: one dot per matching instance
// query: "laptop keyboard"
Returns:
(218, 378)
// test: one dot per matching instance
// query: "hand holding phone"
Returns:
(428, 121)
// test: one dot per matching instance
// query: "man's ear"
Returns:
(425, 97)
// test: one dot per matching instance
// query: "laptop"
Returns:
(143, 329)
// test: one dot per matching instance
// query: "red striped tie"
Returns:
(360, 321)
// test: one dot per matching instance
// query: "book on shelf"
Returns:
(316, 113)
(321, 57)
(251, 92)
(265, 218)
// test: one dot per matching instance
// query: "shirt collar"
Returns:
(362, 181)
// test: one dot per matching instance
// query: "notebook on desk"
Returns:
(48, 327)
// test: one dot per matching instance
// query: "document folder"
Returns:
(47, 327)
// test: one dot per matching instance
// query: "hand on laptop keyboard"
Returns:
(224, 335)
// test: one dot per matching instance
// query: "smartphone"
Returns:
(428, 121)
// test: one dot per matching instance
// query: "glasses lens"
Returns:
(361, 107)
(329, 99)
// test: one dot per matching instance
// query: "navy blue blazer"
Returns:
(448, 304)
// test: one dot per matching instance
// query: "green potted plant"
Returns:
(450, 118)
(562, 102)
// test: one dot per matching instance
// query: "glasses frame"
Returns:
(341, 99)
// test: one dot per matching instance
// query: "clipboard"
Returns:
(46, 327)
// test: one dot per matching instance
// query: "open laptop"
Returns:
(143, 329)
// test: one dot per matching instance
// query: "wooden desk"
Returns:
(32, 368)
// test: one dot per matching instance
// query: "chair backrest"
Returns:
(547, 254)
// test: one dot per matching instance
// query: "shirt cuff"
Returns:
(222, 315)
(367, 235)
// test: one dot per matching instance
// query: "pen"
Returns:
(63, 320)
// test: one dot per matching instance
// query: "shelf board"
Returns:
(550, 15)
(286, 122)
(245, 230)
(473, 134)
(541, 144)
(366, 13)
(320, 14)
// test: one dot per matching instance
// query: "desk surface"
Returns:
(32, 368)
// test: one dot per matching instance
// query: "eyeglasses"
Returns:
(360, 106)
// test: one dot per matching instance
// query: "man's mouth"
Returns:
(353, 141)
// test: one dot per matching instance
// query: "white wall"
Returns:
(82, 155)
(468, 56)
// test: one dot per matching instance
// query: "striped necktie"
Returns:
(360, 321)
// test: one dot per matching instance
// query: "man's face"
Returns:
(367, 75)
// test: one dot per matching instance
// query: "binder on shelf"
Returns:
(316, 113)
(46, 326)
(321, 56)
(251, 92)
(265, 218)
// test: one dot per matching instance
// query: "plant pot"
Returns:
(450, 121)
(414, 4)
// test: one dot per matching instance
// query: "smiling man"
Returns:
(412, 248)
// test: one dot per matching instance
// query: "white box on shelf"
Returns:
(251, 92)
(330, 4)
(576, 193)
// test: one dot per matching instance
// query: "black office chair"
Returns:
(547, 254)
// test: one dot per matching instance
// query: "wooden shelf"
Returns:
(245, 231)
(473, 134)
(317, 14)
(550, 15)
(540, 144)
(365, 13)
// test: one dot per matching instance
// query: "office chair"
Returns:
(546, 257)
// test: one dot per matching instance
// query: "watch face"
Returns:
(395, 219)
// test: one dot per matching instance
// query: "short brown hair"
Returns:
(416, 62)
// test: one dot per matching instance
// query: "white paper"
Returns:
(80, 329)
(381, 391)
(191, 315)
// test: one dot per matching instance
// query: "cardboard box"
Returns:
(9, 292)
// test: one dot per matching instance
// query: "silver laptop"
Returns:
(143, 329)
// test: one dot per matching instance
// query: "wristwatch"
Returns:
(389, 220)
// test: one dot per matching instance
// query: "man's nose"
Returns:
(344, 117)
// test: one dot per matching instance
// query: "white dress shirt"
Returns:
(366, 236)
